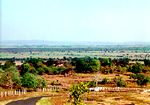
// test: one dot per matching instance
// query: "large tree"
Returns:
(29, 80)
(81, 66)
(94, 65)
(10, 77)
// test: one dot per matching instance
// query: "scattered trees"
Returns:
(142, 79)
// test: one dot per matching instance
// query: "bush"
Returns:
(137, 68)
(40, 71)
(77, 91)
(120, 84)
(119, 69)
(92, 84)
(129, 69)
(50, 71)
(29, 80)
(33, 71)
(53, 83)
(142, 79)
(134, 76)
(104, 81)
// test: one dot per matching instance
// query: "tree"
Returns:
(50, 62)
(10, 77)
(29, 80)
(25, 68)
(77, 91)
(81, 66)
(94, 65)
(105, 61)
(96, 78)
(137, 68)
(40, 70)
(41, 82)
(142, 79)
(35, 62)
(8, 64)
(147, 62)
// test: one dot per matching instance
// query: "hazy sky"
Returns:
(75, 20)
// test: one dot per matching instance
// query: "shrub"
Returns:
(120, 84)
(33, 71)
(40, 71)
(53, 83)
(92, 84)
(134, 76)
(77, 91)
(142, 79)
(104, 81)
(119, 69)
(41, 82)
(129, 69)
(50, 71)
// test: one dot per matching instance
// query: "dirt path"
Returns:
(29, 101)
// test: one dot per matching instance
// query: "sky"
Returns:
(76, 20)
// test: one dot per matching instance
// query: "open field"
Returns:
(60, 55)
(93, 98)
(131, 52)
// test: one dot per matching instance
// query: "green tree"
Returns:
(40, 70)
(81, 66)
(77, 91)
(137, 68)
(50, 62)
(41, 82)
(142, 79)
(33, 70)
(10, 77)
(29, 80)
(25, 68)
(147, 62)
(105, 62)
(8, 64)
(94, 65)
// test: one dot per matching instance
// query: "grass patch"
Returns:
(44, 101)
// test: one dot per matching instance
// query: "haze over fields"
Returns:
(76, 20)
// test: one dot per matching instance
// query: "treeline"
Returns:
(145, 49)
(18, 76)
(27, 74)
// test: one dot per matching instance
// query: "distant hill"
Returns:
(70, 43)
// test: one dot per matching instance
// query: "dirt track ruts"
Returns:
(29, 101)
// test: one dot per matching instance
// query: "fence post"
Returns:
(19, 92)
(15, 92)
(5, 94)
